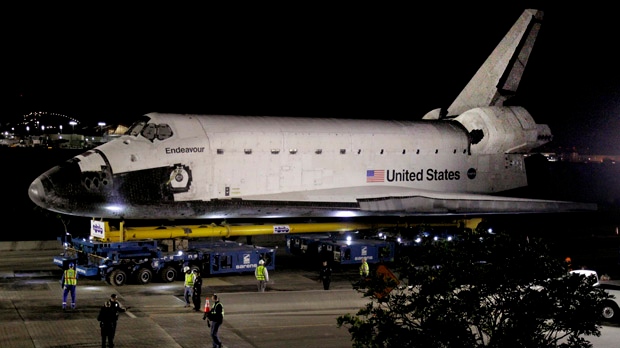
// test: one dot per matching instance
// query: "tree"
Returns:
(479, 291)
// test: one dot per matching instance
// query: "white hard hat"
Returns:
(261, 262)
(186, 269)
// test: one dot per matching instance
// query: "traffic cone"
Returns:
(207, 306)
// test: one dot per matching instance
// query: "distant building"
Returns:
(55, 130)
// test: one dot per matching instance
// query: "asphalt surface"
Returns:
(294, 311)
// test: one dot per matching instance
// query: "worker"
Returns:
(216, 317)
(325, 275)
(196, 289)
(117, 305)
(364, 271)
(189, 285)
(262, 276)
(68, 282)
(108, 318)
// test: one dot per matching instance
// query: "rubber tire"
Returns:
(168, 274)
(118, 277)
(610, 311)
(144, 276)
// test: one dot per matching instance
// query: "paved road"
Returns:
(294, 312)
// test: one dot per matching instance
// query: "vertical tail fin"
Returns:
(498, 78)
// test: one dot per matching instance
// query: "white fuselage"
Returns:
(279, 158)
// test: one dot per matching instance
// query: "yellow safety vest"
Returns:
(364, 269)
(70, 277)
(260, 272)
(189, 279)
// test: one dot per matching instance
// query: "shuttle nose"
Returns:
(58, 189)
(49, 190)
(37, 193)
(70, 189)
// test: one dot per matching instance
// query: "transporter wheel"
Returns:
(168, 274)
(144, 276)
(118, 277)
(610, 311)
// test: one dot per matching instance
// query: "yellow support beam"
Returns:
(226, 231)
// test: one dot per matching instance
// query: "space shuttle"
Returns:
(454, 161)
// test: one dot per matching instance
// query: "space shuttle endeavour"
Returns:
(453, 161)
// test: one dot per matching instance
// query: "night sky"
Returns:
(358, 61)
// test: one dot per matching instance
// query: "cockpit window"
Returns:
(163, 131)
(157, 131)
(137, 126)
(150, 131)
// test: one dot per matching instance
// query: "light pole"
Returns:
(101, 127)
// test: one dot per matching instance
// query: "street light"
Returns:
(101, 127)
(73, 123)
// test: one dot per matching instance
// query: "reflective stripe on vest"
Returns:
(70, 277)
(221, 309)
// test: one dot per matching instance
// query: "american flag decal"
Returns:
(375, 175)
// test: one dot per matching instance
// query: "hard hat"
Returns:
(261, 262)
(71, 265)
(186, 269)
(195, 270)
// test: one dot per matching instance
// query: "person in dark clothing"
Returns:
(117, 305)
(216, 317)
(108, 317)
(197, 290)
(325, 275)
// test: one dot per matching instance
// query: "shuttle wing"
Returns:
(392, 201)
(464, 204)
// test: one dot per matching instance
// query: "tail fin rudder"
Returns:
(498, 78)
